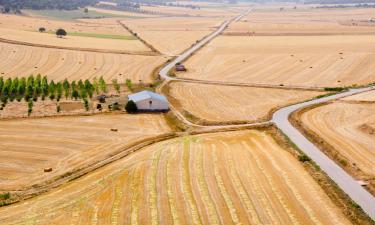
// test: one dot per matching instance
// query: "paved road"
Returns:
(350, 186)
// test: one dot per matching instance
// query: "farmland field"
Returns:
(58, 64)
(230, 103)
(222, 178)
(349, 126)
(308, 61)
(304, 22)
(172, 35)
(24, 29)
(64, 143)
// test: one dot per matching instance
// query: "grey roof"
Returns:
(143, 95)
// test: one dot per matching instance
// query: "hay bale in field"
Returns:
(48, 169)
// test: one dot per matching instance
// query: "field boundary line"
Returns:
(7, 41)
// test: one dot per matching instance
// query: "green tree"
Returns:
(30, 81)
(6, 88)
(89, 88)
(44, 87)
(61, 33)
(95, 85)
(30, 107)
(102, 85)
(86, 104)
(59, 90)
(52, 90)
(38, 85)
(83, 93)
(1, 84)
(116, 85)
(66, 86)
(13, 89)
(129, 84)
(21, 89)
(131, 107)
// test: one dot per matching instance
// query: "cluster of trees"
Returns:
(45, 4)
(33, 88)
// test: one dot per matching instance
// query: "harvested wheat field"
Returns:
(219, 103)
(223, 178)
(81, 35)
(219, 10)
(349, 126)
(58, 64)
(307, 61)
(172, 35)
(305, 22)
(28, 146)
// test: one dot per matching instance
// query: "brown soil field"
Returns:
(28, 146)
(309, 61)
(17, 109)
(172, 35)
(349, 127)
(58, 64)
(217, 103)
(240, 177)
(25, 30)
(304, 22)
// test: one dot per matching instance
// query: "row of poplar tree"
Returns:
(32, 88)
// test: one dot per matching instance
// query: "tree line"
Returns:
(33, 88)
(45, 4)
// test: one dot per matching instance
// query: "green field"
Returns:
(95, 35)
(74, 14)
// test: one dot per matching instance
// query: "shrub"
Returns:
(60, 33)
(338, 89)
(116, 86)
(86, 103)
(5, 196)
(129, 84)
(304, 158)
(131, 107)
(42, 29)
(30, 107)
(102, 85)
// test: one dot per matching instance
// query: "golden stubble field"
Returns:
(173, 35)
(24, 29)
(349, 126)
(308, 61)
(240, 177)
(28, 146)
(58, 64)
(233, 103)
(303, 21)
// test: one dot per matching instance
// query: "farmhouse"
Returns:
(149, 101)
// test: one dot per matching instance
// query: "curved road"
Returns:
(281, 119)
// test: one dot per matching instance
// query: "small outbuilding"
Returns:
(149, 101)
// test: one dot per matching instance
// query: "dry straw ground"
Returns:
(232, 103)
(172, 35)
(28, 146)
(25, 30)
(58, 64)
(349, 126)
(238, 177)
(308, 61)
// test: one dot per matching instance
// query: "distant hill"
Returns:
(45, 4)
